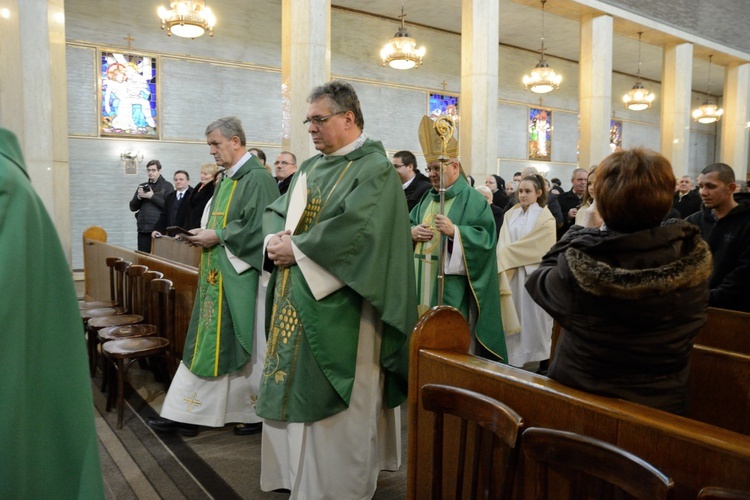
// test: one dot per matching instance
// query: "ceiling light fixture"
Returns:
(708, 112)
(187, 18)
(543, 79)
(401, 52)
(639, 97)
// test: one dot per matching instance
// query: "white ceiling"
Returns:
(520, 26)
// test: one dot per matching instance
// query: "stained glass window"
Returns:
(128, 95)
(540, 134)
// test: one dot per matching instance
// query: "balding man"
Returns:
(285, 165)
(571, 200)
(687, 201)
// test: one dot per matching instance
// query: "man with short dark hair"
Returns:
(176, 209)
(415, 184)
(725, 225)
(148, 203)
(286, 166)
(343, 306)
(217, 380)
(571, 200)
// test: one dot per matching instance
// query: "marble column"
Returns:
(595, 89)
(305, 64)
(677, 75)
(479, 82)
(33, 100)
(734, 125)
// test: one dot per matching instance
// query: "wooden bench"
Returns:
(694, 454)
(184, 277)
(727, 330)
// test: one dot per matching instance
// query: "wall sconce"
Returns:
(131, 159)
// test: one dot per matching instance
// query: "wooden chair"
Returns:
(593, 468)
(717, 493)
(123, 352)
(112, 302)
(496, 435)
(94, 325)
(163, 315)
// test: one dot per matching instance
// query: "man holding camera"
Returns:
(148, 203)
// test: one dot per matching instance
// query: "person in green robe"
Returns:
(341, 307)
(470, 274)
(48, 443)
(217, 380)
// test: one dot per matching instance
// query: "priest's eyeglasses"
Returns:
(319, 120)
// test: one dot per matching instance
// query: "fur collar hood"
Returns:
(691, 265)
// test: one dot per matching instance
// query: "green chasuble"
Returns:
(220, 337)
(48, 445)
(476, 292)
(355, 227)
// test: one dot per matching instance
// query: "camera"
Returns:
(146, 188)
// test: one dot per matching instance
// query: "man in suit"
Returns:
(415, 184)
(176, 209)
(286, 166)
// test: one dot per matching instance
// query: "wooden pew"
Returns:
(693, 453)
(720, 371)
(169, 248)
(184, 277)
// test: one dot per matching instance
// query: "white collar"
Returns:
(233, 169)
(350, 147)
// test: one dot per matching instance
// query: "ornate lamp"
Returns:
(542, 79)
(708, 112)
(639, 97)
(401, 52)
(187, 18)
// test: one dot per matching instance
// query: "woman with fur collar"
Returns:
(527, 234)
(630, 296)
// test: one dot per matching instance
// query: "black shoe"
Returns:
(248, 429)
(166, 426)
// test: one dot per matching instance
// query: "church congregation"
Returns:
(288, 278)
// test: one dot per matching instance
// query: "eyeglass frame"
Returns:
(283, 163)
(319, 120)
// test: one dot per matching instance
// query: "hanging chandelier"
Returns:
(708, 112)
(639, 97)
(542, 79)
(187, 18)
(401, 52)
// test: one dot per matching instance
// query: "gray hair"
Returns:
(342, 97)
(229, 126)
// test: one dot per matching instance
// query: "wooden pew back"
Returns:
(184, 277)
(693, 453)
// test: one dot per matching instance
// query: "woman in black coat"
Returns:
(497, 186)
(631, 296)
(201, 195)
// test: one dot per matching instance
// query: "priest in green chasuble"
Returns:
(470, 274)
(217, 380)
(341, 305)
(48, 444)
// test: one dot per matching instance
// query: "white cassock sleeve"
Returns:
(454, 262)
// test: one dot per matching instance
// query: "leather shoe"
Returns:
(248, 429)
(166, 426)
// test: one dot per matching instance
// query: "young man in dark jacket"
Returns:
(725, 225)
(148, 202)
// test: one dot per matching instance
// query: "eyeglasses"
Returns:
(283, 163)
(319, 120)
(397, 165)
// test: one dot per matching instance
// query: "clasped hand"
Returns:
(280, 250)
(204, 238)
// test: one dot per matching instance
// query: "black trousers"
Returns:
(144, 242)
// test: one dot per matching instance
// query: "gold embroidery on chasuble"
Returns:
(208, 338)
(286, 330)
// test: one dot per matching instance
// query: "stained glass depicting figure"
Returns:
(615, 135)
(540, 134)
(128, 95)
(441, 104)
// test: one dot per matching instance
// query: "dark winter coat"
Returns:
(197, 203)
(729, 239)
(629, 305)
(688, 204)
(149, 210)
